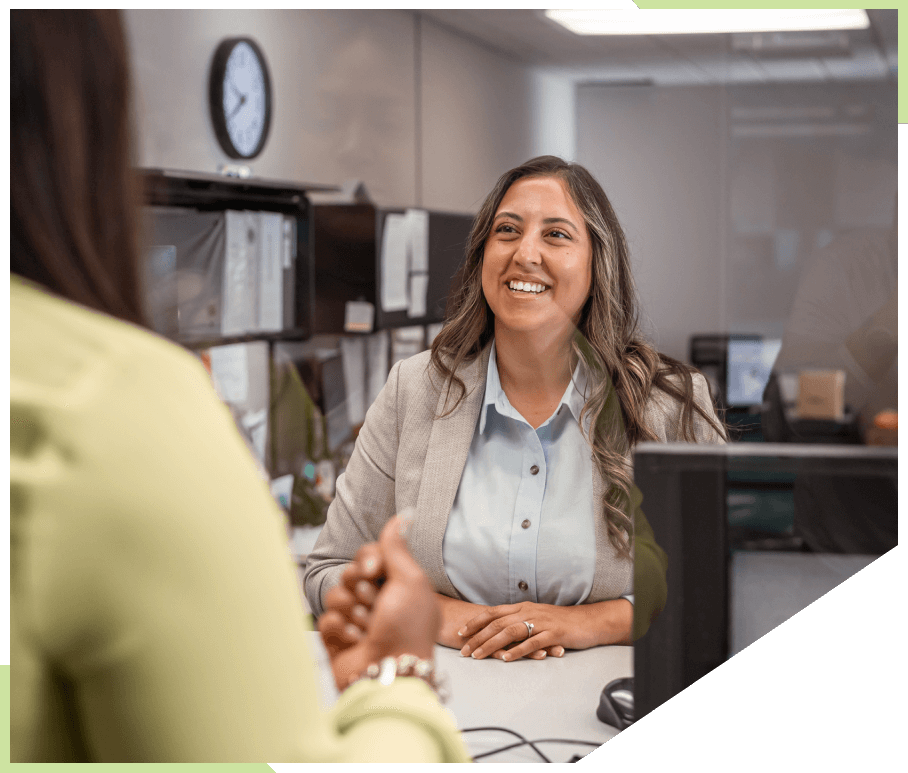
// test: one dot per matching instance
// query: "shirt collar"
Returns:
(573, 398)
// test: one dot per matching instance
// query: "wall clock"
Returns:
(240, 97)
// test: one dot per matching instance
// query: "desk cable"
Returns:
(524, 742)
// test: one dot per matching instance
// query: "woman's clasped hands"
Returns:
(526, 629)
(383, 587)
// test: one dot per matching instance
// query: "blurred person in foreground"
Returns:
(154, 608)
(513, 436)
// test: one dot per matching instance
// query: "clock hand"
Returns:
(235, 89)
(239, 94)
(238, 107)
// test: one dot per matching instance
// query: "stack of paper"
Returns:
(405, 262)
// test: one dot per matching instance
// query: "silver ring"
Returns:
(529, 629)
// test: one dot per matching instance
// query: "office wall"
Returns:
(476, 118)
(419, 114)
(654, 152)
(343, 93)
(726, 193)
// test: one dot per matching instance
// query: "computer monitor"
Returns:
(748, 367)
(737, 366)
(685, 498)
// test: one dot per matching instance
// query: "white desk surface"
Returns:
(552, 698)
(768, 587)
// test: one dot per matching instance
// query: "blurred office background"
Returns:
(730, 159)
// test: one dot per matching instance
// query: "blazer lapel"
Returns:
(449, 445)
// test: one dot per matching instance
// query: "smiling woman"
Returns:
(536, 270)
(512, 438)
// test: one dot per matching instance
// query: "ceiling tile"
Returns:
(864, 63)
(778, 70)
(731, 69)
(529, 37)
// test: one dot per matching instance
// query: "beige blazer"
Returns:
(405, 457)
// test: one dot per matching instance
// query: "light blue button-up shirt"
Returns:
(522, 528)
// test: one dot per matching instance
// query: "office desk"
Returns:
(768, 587)
(554, 698)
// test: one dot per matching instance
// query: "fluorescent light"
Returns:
(675, 22)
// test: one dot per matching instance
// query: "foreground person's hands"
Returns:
(554, 627)
(403, 617)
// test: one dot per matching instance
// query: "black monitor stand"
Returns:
(684, 497)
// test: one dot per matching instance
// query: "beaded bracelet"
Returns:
(404, 665)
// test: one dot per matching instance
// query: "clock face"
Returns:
(240, 98)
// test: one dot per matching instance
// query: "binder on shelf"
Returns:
(270, 317)
(226, 259)
(240, 276)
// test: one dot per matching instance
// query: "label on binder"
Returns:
(359, 317)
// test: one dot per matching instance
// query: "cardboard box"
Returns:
(878, 436)
(821, 394)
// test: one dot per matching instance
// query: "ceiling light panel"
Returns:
(677, 22)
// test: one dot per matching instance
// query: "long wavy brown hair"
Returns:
(624, 368)
(73, 196)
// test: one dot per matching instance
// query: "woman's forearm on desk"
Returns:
(455, 614)
(608, 622)
(575, 627)
(583, 626)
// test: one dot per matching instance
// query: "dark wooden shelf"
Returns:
(297, 334)
(165, 187)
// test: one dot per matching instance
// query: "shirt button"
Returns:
(534, 469)
(526, 523)
(522, 585)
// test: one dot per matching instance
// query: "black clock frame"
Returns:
(216, 95)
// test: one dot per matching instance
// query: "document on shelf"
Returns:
(230, 372)
(419, 287)
(353, 360)
(377, 346)
(432, 330)
(405, 342)
(289, 250)
(271, 290)
(411, 334)
(394, 259)
(418, 222)
(359, 317)
(256, 424)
